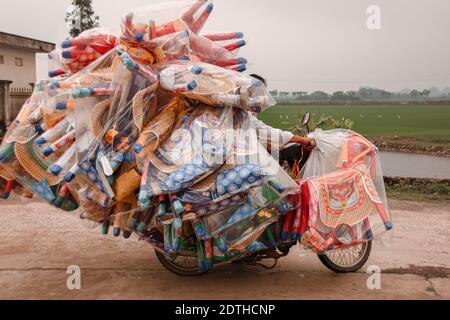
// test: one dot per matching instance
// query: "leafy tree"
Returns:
(300, 94)
(426, 93)
(319, 95)
(415, 93)
(338, 95)
(352, 95)
(81, 17)
(374, 94)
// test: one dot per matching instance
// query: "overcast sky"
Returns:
(297, 44)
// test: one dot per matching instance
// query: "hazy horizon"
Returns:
(297, 45)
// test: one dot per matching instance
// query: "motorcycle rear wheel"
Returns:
(347, 260)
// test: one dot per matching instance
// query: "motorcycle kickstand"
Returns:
(255, 262)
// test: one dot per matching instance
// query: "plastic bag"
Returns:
(77, 53)
(215, 86)
(171, 30)
(342, 194)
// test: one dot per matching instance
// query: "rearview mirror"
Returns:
(306, 118)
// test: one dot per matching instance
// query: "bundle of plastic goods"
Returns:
(149, 132)
(112, 131)
(343, 198)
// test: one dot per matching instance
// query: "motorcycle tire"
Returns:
(330, 259)
(179, 268)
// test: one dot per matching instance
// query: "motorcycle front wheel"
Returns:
(347, 260)
(181, 265)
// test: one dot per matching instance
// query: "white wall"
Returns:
(42, 66)
(21, 76)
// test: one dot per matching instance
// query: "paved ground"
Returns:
(38, 243)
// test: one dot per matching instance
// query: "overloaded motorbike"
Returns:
(152, 132)
(185, 262)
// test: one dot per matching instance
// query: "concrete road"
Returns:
(38, 243)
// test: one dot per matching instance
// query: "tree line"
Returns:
(363, 94)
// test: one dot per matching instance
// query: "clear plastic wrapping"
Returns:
(215, 85)
(152, 132)
(77, 53)
(343, 194)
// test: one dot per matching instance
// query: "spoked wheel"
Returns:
(348, 259)
(186, 266)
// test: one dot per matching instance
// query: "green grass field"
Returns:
(428, 123)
